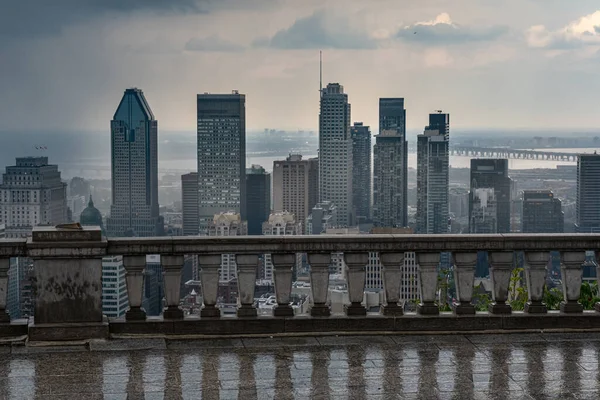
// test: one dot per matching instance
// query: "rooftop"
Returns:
(517, 366)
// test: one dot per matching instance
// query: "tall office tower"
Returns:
(189, 203)
(296, 185)
(258, 198)
(227, 224)
(280, 224)
(389, 189)
(134, 148)
(392, 117)
(433, 165)
(361, 171)
(335, 152)
(588, 192)
(323, 216)
(487, 173)
(542, 212)
(115, 300)
(221, 156)
(32, 193)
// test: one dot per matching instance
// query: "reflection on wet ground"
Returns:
(518, 366)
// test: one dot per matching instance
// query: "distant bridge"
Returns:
(515, 154)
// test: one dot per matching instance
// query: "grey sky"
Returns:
(495, 64)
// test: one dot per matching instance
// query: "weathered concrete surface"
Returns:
(67, 290)
(52, 234)
(532, 366)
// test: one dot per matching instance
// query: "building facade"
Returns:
(221, 156)
(484, 211)
(296, 185)
(587, 219)
(31, 194)
(392, 118)
(115, 301)
(361, 171)
(389, 189)
(433, 165)
(153, 292)
(134, 169)
(489, 173)
(258, 198)
(280, 223)
(335, 152)
(227, 224)
(189, 204)
(323, 216)
(542, 212)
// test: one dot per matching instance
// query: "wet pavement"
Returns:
(517, 366)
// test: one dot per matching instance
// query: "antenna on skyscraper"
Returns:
(320, 73)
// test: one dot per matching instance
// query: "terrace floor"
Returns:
(486, 366)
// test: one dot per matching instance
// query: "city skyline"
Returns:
(523, 52)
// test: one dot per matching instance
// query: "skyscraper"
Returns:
(389, 189)
(279, 224)
(296, 185)
(433, 166)
(542, 212)
(361, 171)
(588, 193)
(189, 203)
(134, 148)
(392, 117)
(221, 156)
(258, 198)
(335, 152)
(487, 173)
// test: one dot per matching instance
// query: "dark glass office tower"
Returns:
(390, 191)
(361, 171)
(490, 181)
(134, 148)
(258, 198)
(542, 212)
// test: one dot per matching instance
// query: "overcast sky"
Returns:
(491, 63)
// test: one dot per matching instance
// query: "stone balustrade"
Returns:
(67, 283)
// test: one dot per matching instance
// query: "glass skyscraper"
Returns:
(221, 156)
(433, 165)
(134, 148)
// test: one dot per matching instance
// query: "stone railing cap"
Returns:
(53, 234)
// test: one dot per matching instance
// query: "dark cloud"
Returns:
(443, 31)
(43, 17)
(321, 30)
(213, 44)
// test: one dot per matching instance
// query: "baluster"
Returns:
(209, 278)
(319, 283)
(501, 266)
(392, 264)
(247, 266)
(572, 274)
(172, 266)
(134, 277)
(284, 266)
(464, 275)
(4, 266)
(355, 274)
(428, 281)
(535, 275)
